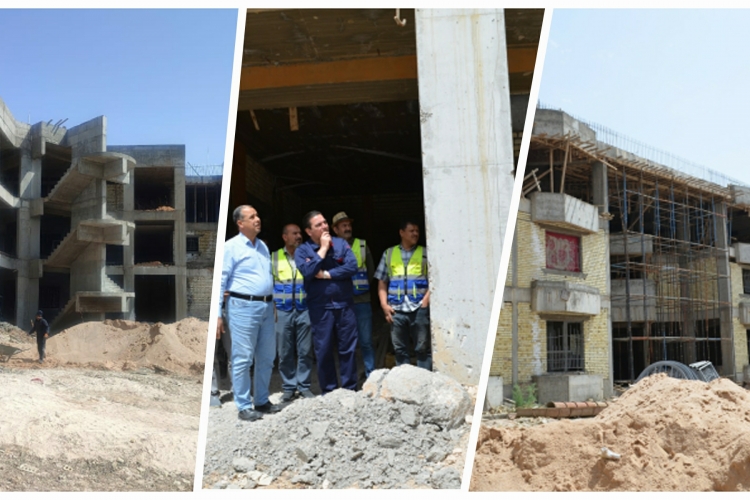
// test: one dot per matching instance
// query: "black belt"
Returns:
(259, 298)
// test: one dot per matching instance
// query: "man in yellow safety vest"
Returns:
(342, 226)
(293, 333)
(405, 296)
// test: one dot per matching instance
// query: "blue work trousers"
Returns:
(335, 328)
(412, 329)
(363, 312)
(294, 341)
(253, 342)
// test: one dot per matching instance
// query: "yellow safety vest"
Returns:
(409, 279)
(361, 283)
(288, 289)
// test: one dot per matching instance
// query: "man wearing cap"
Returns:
(342, 226)
(293, 333)
(41, 328)
(246, 275)
(405, 296)
(328, 264)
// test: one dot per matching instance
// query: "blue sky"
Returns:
(677, 80)
(159, 76)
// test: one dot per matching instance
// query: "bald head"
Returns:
(292, 236)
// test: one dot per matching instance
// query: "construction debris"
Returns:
(672, 435)
(406, 428)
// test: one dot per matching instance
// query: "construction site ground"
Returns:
(670, 435)
(115, 407)
(406, 428)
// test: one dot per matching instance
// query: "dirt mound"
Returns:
(14, 335)
(672, 435)
(126, 345)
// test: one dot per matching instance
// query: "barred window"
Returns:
(564, 346)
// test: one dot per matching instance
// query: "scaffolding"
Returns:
(669, 251)
(671, 298)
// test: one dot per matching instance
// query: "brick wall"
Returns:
(532, 329)
(199, 283)
(206, 246)
(115, 197)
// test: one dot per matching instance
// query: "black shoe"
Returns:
(249, 415)
(267, 408)
(287, 396)
(307, 393)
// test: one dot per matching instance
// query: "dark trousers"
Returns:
(412, 329)
(335, 328)
(41, 345)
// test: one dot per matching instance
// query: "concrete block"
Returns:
(494, 396)
(562, 211)
(563, 387)
(558, 123)
(742, 253)
(562, 297)
(740, 195)
(637, 293)
(637, 244)
(744, 313)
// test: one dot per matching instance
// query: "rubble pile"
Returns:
(670, 435)
(14, 335)
(406, 428)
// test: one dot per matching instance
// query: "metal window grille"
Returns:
(564, 347)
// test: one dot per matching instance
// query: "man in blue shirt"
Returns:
(328, 264)
(246, 275)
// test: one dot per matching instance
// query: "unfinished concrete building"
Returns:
(619, 262)
(90, 231)
(345, 109)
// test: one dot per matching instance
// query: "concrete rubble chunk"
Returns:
(243, 464)
(441, 400)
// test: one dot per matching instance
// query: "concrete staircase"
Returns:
(114, 167)
(96, 231)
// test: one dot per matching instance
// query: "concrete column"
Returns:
(180, 245)
(600, 191)
(128, 251)
(27, 283)
(467, 154)
(725, 296)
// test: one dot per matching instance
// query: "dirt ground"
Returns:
(671, 435)
(116, 407)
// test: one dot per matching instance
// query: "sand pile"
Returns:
(10, 334)
(118, 344)
(673, 435)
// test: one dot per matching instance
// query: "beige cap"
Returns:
(339, 217)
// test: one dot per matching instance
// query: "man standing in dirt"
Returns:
(405, 296)
(246, 275)
(41, 328)
(342, 226)
(328, 264)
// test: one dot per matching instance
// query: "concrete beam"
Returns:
(562, 297)
(562, 211)
(617, 245)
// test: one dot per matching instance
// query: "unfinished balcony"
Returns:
(564, 298)
(632, 245)
(744, 312)
(561, 211)
(741, 253)
(88, 232)
(113, 167)
(642, 300)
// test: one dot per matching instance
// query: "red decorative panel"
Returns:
(563, 252)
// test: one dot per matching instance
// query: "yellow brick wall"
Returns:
(532, 329)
